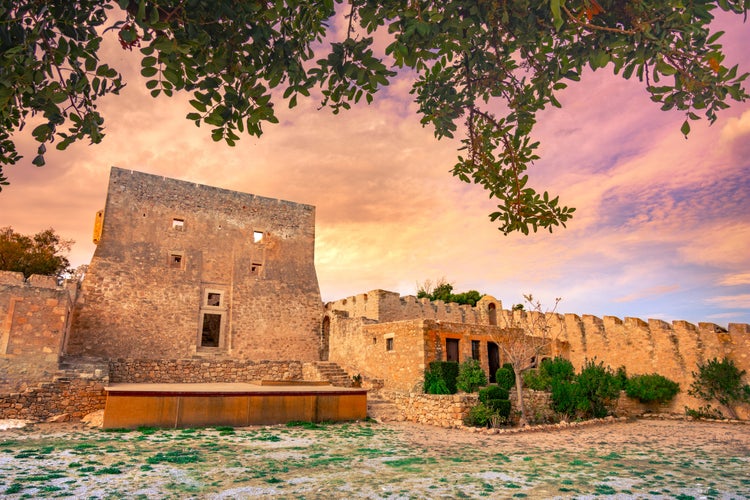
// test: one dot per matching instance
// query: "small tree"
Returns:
(43, 253)
(720, 381)
(651, 388)
(525, 339)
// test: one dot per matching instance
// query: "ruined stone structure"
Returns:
(392, 339)
(33, 326)
(183, 269)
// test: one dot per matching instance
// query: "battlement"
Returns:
(384, 306)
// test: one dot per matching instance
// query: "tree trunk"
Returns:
(519, 401)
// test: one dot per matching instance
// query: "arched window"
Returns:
(492, 310)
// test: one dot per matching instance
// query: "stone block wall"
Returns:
(34, 317)
(393, 352)
(201, 371)
(173, 255)
(75, 397)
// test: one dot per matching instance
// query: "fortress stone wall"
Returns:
(34, 317)
(183, 269)
(671, 349)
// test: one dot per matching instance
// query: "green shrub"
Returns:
(447, 371)
(505, 378)
(500, 406)
(598, 387)
(622, 377)
(480, 416)
(536, 380)
(434, 384)
(565, 397)
(470, 376)
(492, 392)
(720, 381)
(558, 368)
(651, 388)
(704, 412)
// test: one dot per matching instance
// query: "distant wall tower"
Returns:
(183, 269)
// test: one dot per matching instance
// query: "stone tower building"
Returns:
(183, 269)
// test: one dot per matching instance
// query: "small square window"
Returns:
(389, 344)
(257, 236)
(178, 224)
(255, 268)
(213, 299)
(175, 260)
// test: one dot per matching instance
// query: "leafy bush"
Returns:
(541, 379)
(505, 378)
(565, 397)
(434, 384)
(492, 392)
(480, 416)
(703, 412)
(447, 371)
(536, 380)
(470, 376)
(558, 368)
(622, 377)
(598, 387)
(500, 406)
(720, 381)
(651, 388)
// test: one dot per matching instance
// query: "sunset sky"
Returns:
(662, 227)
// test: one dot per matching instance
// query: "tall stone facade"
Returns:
(183, 269)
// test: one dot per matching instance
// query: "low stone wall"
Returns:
(74, 397)
(450, 410)
(440, 410)
(139, 371)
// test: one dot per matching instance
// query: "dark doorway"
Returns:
(211, 330)
(451, 349)
(493, 360)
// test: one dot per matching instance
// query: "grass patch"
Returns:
(175, 457)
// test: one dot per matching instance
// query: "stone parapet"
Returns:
(172, 371)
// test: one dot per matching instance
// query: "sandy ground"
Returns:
(654, 459)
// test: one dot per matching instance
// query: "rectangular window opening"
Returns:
(389, 344)
(178, 224)
(213, 299)
(475, 349)
(257, 236)
(211, 330)
(255, 268)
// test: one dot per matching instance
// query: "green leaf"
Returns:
(685, 129)
(149, 72)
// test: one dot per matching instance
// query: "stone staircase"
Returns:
(333, 373)
(382, 409)
(82, 367)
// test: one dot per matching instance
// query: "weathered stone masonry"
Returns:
(33, 326)
(184, 269)
(419, 331)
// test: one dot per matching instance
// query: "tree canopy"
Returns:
(483, 69)
(442, 290)
(43, 253)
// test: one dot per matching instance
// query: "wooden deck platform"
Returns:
(232, 404)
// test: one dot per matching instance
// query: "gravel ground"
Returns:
(641, 459)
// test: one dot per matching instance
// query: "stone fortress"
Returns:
(191, 283)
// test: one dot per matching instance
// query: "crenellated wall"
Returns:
(671, 349)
